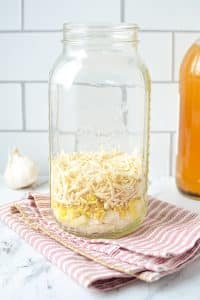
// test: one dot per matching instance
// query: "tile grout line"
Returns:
(22, 15)
(173, 57)
(163, 131)
(171, 148)
(24, 131)
(23, 107)
(121, 17)
(164, 81)
(122, 10)
(70, 132)
(169, 31)
(31, 31)
(22, 81)
(46, 81)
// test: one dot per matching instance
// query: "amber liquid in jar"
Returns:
(188, 157)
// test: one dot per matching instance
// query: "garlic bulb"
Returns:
(20, 171)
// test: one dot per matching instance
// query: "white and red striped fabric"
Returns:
(168, 239)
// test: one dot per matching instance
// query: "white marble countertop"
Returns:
(25, 274)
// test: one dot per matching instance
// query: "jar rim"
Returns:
(117, 31)
(100, 26)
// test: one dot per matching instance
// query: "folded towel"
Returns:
(168, 239)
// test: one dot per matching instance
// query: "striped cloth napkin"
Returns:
(168, 239)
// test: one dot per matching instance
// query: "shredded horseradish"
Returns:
(95, 186)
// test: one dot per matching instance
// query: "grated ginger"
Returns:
(102, 180)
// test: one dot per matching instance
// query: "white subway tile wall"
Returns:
(30, 34)
(10, 14)
(156, 50)
(11, 107)
(36, 106)
(164, 15)
(159, 155)
(28, 56)
(51, 14)
(164, 103)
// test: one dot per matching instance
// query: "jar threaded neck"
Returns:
(122, 32)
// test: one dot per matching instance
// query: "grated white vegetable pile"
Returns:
(98, 194)
(111, 177)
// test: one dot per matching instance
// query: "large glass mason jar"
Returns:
(99, 94)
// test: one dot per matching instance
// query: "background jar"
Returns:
(99, 95)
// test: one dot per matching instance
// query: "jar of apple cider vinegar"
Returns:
(188, 161)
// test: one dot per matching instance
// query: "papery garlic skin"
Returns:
(20, 171)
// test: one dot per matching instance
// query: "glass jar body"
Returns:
(99, 95)
(188, 162)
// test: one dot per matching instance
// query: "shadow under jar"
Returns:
(99, 98)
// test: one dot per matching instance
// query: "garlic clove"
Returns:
(20, 171)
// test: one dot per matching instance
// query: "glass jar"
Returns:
(99, 97)
(188, 162)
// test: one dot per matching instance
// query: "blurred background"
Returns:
(30, 35)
